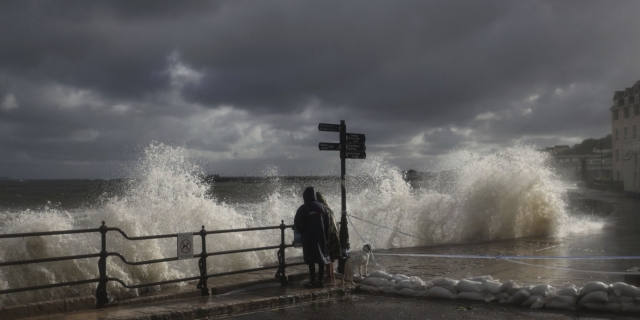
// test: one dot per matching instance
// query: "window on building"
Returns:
(620, 102)
(615, 133)
(635, 132)
(626, 112)
(626, 133)
(617, 154)
(617, 174)
(636, 109)
(632, 99)
(615, 114)
(635, 159)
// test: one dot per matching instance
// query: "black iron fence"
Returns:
(102, 297)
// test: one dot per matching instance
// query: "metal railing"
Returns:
(102, 298)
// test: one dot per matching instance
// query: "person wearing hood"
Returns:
(312, 222)
(333, 245)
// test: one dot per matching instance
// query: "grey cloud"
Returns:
(392, 70)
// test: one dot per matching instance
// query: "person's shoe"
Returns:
(319, 284)
(309, 285)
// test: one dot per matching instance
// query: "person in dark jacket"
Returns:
(312, 222)
(333, 245)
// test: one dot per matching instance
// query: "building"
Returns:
(625, 123)
(584, 167)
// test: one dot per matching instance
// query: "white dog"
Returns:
(356, 260)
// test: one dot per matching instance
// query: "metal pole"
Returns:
(202, 265)
(344, 229)
(281, 258)
(102, 298)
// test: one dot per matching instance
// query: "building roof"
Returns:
(618, 95)
(635, 88)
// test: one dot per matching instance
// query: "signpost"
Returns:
(329, 127)
(351, 146)
(326, 146)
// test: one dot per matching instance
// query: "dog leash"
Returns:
(365, 241)
(381, 226)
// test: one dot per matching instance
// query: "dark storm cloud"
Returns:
(247, 82)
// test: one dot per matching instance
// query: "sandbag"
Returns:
(624, 289)
(593, 286)
(569, 291)
(619, 298)
(409, 292)
(368, 288)
(519, 297)
(634, 307)
(399, 277)
(541, 290)
(491, 287)
(594, 297)
(413, 283)
(380, 274)
(440, 292)
(510, 287)
(608, 306)
(376, 282)
(539, 303)
(468, 286)
(388, 290)
(446, 283)
(531, 300)
(475, 296)
(561, 302)
(502, 297)
(480, 278)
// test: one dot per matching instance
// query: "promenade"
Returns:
(259, 294)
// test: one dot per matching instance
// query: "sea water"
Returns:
(472, 198)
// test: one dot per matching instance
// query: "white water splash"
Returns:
(498, 196)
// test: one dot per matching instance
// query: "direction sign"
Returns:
(355, 147)
(326, 146)
(355, 137)
(329, 127)
(356, 155)
(185, 245)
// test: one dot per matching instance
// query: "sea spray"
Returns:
(473, 198)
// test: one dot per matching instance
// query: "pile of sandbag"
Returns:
(382, 282)
(597, 296)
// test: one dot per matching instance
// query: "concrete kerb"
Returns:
(88, 303)
(244, 306)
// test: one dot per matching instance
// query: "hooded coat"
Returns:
(312, 222)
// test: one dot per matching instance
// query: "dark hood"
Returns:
(309, 195)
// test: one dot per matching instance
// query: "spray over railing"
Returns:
(102, 297)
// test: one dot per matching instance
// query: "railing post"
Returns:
(102, 297)
(281, 273)
(202, 264)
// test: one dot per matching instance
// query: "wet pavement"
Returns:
(388, 307)
(620, 235)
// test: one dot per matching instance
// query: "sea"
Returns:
(467, 198)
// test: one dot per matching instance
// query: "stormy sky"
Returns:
(85, 86)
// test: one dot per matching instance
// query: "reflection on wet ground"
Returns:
(619, 236)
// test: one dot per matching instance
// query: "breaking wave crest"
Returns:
(498, 196)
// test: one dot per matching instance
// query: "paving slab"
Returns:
(211, 306)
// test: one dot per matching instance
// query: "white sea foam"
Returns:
(498, 196)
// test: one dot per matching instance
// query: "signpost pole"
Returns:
(344, 230)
